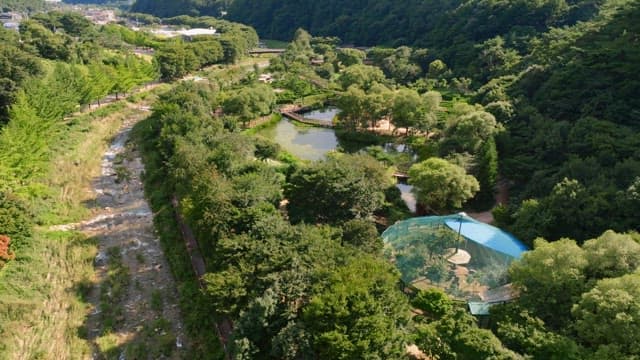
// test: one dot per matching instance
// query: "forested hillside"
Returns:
(414, 22)
(306, 277)
(560, 75)
(22, 5)
(573, 140)
(528, 109)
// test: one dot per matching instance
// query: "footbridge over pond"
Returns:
(297, 117)
(260, 51)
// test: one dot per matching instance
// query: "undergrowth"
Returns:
(197, 311)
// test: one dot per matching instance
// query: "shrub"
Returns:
(15, 221)
(5, 254)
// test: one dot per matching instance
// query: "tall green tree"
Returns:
(611, 255)
(407, 110)
(606, 317)
(348, 57)
(440, 185)
(175, 61)
(487, 171)
(364, 76)
(468, 131)
(249, 103)
(550, 278)
(351, 316)
(456, 336)
(336, 190)
(363, 235)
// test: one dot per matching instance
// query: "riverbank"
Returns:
(44, 293)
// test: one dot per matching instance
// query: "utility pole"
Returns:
(459, 231)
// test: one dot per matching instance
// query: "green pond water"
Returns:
(313, 143)
(307, 143)
(325, 114)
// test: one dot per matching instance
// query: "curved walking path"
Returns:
(123, 226)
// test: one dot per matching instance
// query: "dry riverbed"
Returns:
(135, 313)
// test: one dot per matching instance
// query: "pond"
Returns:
(313, 143)
(307, 143)
(325, 114)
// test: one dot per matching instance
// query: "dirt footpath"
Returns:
(135, 311)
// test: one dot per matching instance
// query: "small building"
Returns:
(11, 26)
(317, 61)
(10, 17)
(100, 16)
(265, 78)
(187, 34)
(11, 20)
(191, 33)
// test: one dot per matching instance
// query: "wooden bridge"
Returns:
(260, 51)
(299, 118)
(401, 178)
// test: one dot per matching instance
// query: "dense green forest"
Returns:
(26, 6)
(422, 23)
(560, 76)
(310, 282)
(290, 278)
(534, 100)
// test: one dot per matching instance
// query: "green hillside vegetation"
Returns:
(293, 282)
(536, 100)
(290, 280)
(22, 6)
(563, 90)
(55, 73)
(431, 100)
(559, 76)
(419, 23)
(573, 142)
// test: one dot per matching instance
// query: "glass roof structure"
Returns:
(456, 253)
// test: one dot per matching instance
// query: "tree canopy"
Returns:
(336, 190)
(441, 185)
